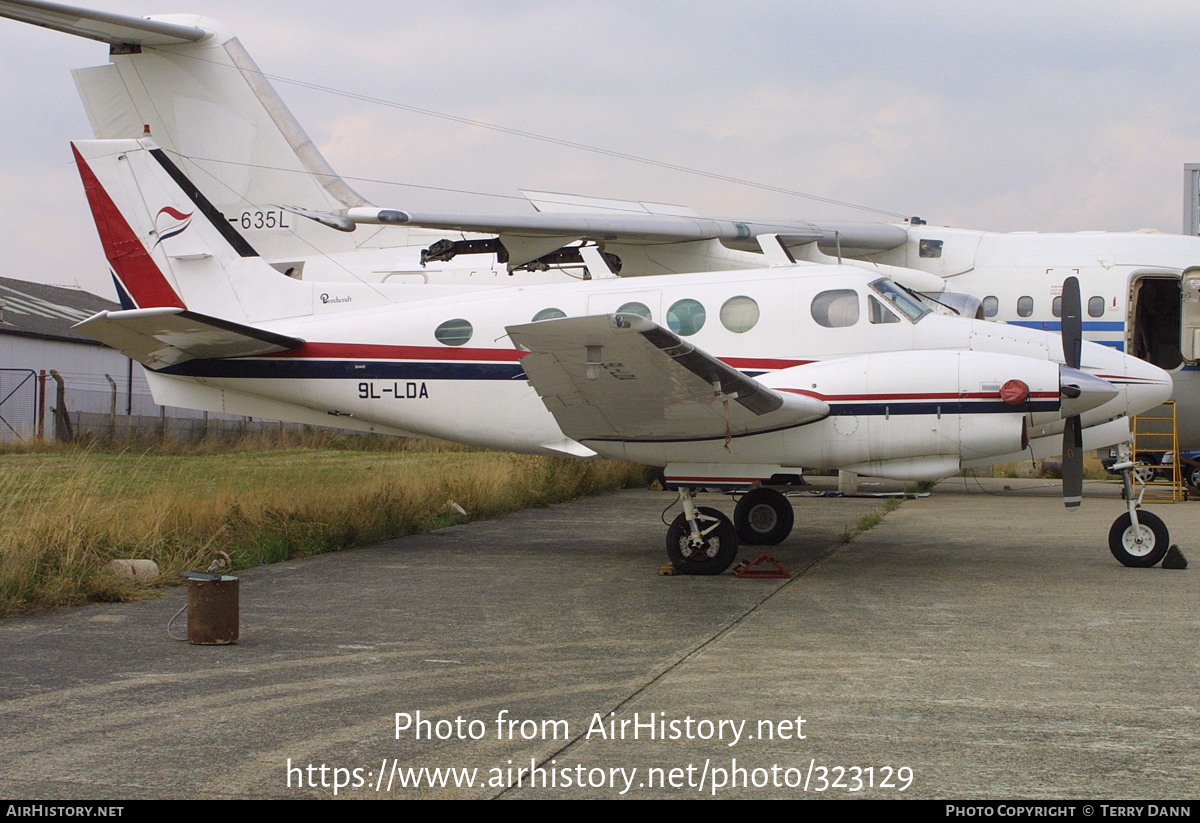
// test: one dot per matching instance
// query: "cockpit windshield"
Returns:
(909, 306)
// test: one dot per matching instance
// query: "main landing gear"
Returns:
(763, 517)
(704, 541)
(1137, 538)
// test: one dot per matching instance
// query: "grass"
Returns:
(66, 511)
(870, 520)
(1093, 469)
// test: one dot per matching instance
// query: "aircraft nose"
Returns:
(1146, 386)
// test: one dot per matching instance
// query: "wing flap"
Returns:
(622, 377)
(163, 337)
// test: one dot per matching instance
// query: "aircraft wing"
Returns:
(117, 29)
(651, 227)
(622, 377)
(158, 338)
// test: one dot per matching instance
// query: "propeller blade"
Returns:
(1072, 463)
(1072, 322)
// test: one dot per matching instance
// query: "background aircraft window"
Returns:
(686, 317)
(454, 332)
(1056, 307)
(880, 313)
(930, 248)
(1024, 306)
(640, 309)
(739, 314)
(549, 314)
(991, 306)
(836, 308)
(1096, 306)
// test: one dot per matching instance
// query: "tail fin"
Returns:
(169, 247)
(191, 83)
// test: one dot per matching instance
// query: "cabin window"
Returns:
(686, 317)
(930, 248)
(454, 332)
(880, 313)
(640, 309)
(1024, 306)
(836, 308)
(549, 314)
(991, 306)
(1056, 306)
(739, 314)
(1095, 306)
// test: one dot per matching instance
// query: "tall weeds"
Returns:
(65, 513)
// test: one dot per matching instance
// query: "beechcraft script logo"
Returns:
(170, 222)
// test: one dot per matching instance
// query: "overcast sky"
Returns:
(1009, 117)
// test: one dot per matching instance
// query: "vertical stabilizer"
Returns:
(169, 246)
(189, 81)
(210, 107)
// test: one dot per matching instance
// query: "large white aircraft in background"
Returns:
(724, 379)
(190, 82)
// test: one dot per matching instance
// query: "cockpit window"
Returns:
(879, 314)
(836, 308)
(909, 306)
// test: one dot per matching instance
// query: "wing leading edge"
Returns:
(622, 377)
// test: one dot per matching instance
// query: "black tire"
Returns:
(1122, 541)
(720, 544)
(763, 517)
(1191, 475)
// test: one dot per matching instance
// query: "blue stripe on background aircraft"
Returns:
(838, 368)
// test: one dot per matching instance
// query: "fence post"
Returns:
(41, 405)
(112, 412)
(62, 420)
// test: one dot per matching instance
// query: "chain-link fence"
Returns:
(18, 404)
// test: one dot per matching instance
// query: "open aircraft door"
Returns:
(1189, 315)
(1156, 319)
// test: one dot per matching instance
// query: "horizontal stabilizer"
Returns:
(622, 377)
(163, 337)
(117, 29)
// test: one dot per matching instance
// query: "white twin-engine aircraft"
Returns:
(724, 379)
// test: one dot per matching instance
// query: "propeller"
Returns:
(1072, 447)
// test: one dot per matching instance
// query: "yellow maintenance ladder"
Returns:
(1155, 435)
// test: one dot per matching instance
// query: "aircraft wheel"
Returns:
(719, 549)
(1124, 544)
(763, 517)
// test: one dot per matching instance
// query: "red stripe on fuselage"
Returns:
(913, 396)
(370, 351)
(137, 271)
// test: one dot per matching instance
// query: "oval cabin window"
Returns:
(836, 308)
(739, 314)
(454, 332)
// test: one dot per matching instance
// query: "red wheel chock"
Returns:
(747, 568)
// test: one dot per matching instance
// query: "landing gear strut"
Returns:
(701, 540)
(1138, 539)
(763, 517)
